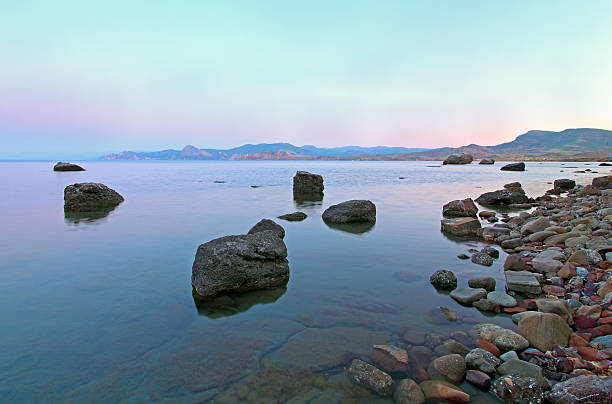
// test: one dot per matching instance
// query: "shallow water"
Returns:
(99, 307)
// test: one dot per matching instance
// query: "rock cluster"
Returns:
(559, 292)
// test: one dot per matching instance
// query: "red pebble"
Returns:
(488, 346)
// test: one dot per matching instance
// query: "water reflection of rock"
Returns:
(354, 228)
(307, 199)
(231, 304)
(78, 218)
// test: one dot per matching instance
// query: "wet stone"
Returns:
(371, 378)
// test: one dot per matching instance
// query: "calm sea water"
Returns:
(99, 309)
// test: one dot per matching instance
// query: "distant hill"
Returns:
(264, 151)
(582, 144)
(570, 144)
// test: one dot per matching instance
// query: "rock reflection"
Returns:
(354, 228)
(231, 304)
(78, 218)
(307, 199)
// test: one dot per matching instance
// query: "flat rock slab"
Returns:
(318, 349)
(501, 298)
(461, 226)
(467, 296)
(522, 281)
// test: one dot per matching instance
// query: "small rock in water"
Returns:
(467, 296)
(501, 298)
(460, 226)
(371, 378)
(294, 217)
(485, 282)
(518, 390)
(449, 314)
(408, 392)
(482, 258)
(443, 279)
(390, 358)
(482, 360)
(478, 379)
(449, 367)
(490, 251)
(463, 257)
(442, 391)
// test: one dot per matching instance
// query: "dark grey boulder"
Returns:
(62, 166)
(236, 264)
(443, 279)
(355, 211)
(307, 183)
(514, 167)
(267, 224)
(458, 159)
(564, 184)
(89, 197)
(512, 194)
(294, 217)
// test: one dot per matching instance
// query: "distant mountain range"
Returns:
(570, 144)
(264, 151)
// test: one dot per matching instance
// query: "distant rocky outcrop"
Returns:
(89, 196)
(242, 263)
(355, 211)
(486, 161)
(458, 159)
(514, 167)
(62, 166)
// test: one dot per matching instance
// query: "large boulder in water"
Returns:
(307, 183)
(236, 264)
(487, 161)
(89, 197)
(459, 159)
(512, 193)
(355, 211)
(62, 166)
(514, 167)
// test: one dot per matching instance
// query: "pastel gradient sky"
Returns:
(100, 76)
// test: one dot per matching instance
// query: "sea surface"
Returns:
(99, 308)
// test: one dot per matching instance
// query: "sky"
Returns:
(90, 77)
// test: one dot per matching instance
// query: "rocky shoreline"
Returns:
(558, 290)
